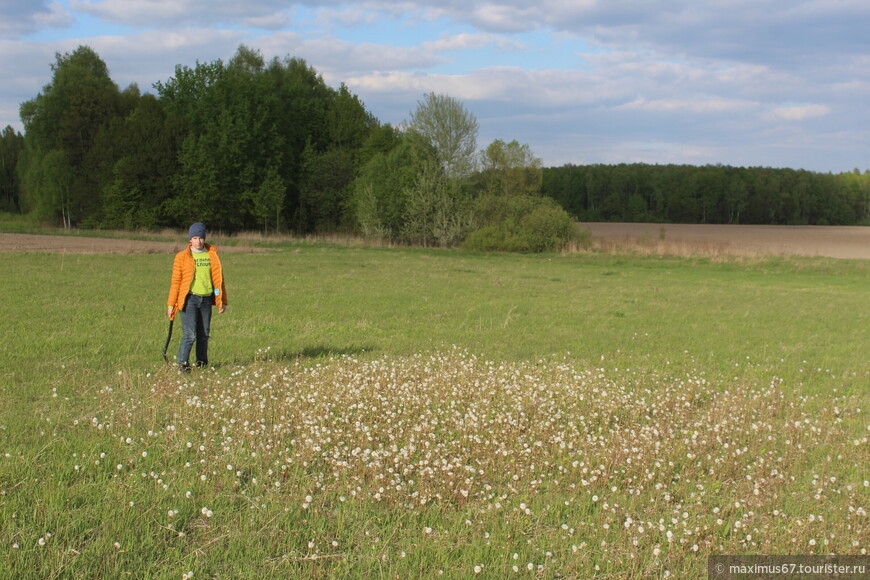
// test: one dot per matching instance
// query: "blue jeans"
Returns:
(195, 324)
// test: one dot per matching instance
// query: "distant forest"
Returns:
(256, 145)
(710, 194)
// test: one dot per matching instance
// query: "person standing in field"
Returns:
(197, 285)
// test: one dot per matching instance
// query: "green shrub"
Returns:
(547, 228)
(495, 238)
(519, 223)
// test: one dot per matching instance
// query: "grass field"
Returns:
(402, 413)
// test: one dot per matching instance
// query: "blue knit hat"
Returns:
(197, 230)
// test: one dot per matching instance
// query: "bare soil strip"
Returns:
(81, 245)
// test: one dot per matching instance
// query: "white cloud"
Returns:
(135, 11)
(471, 41)
(338, 59)
(526, 89)
(272, 21)
(350, 17)
(180, 13)
(56, 16)
(159, 44)
(699, 105)
(504, 18)
(22, 17)
(799, 112)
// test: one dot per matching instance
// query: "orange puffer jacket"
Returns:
(183, 269)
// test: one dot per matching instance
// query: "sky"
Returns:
(749, 83)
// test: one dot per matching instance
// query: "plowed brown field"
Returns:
(828, 241)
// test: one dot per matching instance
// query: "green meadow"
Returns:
(407, 413)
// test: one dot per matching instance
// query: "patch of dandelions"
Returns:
(654, 463)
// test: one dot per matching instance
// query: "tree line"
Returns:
(712, 194)
(251, 144)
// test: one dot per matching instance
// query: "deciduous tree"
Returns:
(450, 129)
(510, 169)
(11, 148)
(64, 121)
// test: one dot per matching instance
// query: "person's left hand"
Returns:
(222, 309)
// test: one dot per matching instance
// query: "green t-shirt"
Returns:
(202, 276)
